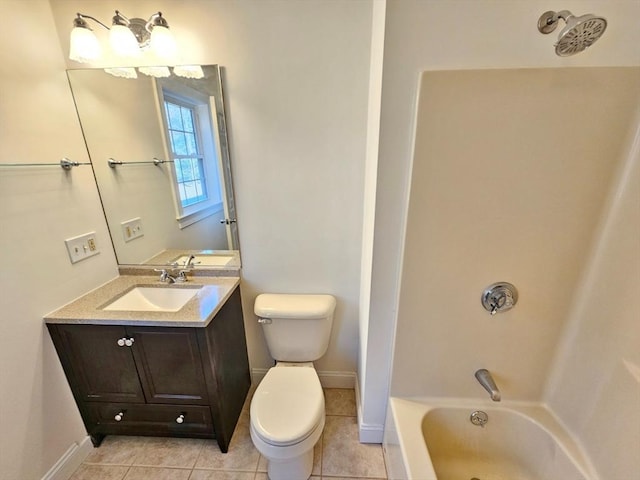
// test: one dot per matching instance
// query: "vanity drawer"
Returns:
(174, 420)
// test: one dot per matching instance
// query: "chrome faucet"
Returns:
(486, 380)
(189, 262)
(167, 277)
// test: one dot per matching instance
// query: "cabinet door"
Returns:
(100, 368)
(169, 365)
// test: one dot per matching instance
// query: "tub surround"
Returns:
(197, 312)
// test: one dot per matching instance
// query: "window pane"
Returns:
(183, 195)
(178, 167)
(187, 119)
(187, 170)
(178, 143)
(192, 147)
(174, 116)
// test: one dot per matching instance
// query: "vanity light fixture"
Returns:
(158, 72)
(188, 71)
(83, 44)
(128, 38)
(123, 72)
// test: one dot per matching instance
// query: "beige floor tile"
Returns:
(317, 457)
(102, 472)
(169, 452)
(340, 401)
(221, 475)
(343, 454)
(155, 473)
(262, 464)
(242, 455)
(347, 478)
(116, 450)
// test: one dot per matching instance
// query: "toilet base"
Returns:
(296, 468)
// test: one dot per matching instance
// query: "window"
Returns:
(193, 147)
(186, 153)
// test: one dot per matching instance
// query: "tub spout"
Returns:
(486, 380)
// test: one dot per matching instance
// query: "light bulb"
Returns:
(162, 42)
(123, 41)
(83, 45)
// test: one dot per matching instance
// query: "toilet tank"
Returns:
(297, 328)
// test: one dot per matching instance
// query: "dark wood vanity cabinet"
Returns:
(165, 381)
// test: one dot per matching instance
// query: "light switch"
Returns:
(132, 229)
(82, 246)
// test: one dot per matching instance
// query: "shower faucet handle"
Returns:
(499, 297)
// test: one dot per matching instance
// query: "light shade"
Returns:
(123, 72)
(162, 43)
(83, 45)
(158, 72)
(123, 41)
(188, 71)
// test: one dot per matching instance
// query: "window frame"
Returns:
(201, 109)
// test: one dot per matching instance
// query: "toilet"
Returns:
(287, 408)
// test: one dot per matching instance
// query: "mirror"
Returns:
(160, 156)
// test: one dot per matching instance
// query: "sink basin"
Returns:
(154, 299)
(206, 260)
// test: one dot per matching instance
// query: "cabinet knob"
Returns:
(119, 416)
(180, 418)
(121, 342)
(128, 342)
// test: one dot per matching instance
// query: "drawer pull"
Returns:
(119, 416)
(180, 418)
(121, 342)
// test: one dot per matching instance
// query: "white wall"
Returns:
(296, 79)
(448, 34)
(39, 208)
(596, 386)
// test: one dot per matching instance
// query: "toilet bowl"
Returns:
(287, 408)
(287, 419)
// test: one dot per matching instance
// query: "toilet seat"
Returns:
(288, 405)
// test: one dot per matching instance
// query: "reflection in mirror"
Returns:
(160, 155)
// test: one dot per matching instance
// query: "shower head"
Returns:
(578, 34)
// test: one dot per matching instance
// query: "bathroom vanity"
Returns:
(180, 371)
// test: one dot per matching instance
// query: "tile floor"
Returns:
(337, 456)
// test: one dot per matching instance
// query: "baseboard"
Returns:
(370, 433)
(70, 461)
(328, 379)
(367, 433)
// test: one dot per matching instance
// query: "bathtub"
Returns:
(434, 439)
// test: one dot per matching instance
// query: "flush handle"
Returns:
(264, 321)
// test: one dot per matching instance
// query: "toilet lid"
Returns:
(287, 405)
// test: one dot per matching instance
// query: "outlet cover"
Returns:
(132, 229)
(82, 246)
